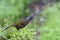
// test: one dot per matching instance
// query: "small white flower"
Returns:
(41, 19)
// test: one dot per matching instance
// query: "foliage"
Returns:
(10, 12)
(50, 29)
(24, 34)
(13, 10)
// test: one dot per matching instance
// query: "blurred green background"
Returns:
(13, 10)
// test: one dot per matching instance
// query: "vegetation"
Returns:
(13, 10)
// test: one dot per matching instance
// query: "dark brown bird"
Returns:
(20, 24)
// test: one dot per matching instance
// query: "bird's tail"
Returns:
(6, 28)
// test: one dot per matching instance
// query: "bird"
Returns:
(21, 23)
(36, 8)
